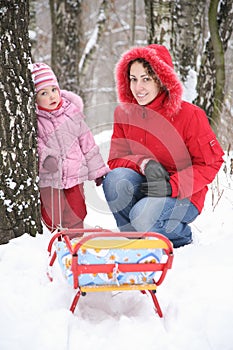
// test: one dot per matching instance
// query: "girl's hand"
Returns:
(99, 181)
(51, 164)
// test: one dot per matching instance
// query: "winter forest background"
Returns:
(82, 41)
(105, 29)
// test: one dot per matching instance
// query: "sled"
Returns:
(102, 260)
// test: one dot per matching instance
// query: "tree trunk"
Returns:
(179, 26)
(218, 53)
(182, 27)
(67, 62)
(95, 37)
(32, 26)
(19, 195)
(211, 80)
(159, 21)
(66, 32)
(133, 22)
(187, 35)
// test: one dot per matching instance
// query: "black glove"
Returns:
(157, 188)
(157, 184)
(154, 171)
(99, 181)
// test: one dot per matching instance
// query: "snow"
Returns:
(190, 84)
(195, 297)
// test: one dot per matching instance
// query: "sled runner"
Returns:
(102, 260)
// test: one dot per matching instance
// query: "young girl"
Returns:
(67, 152)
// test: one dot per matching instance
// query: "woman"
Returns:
(163, 152)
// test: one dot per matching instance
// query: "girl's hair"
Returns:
(149, 71)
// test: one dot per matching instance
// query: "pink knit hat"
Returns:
(43, 76)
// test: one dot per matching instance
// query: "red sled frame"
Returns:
(137, 240)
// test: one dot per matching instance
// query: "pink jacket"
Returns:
(63, 134)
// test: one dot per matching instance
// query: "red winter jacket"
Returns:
(171, 131)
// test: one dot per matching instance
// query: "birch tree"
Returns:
(159, 21)
(19, 199)
(211, 79)
(179, 26)
(188, 34)
(192, 38)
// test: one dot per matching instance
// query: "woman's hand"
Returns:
(157, 184)
(155, 170)
(157, 188)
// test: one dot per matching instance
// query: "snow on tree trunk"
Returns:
(19, 199)
(179, 26)
(159, 21)
(187, 35)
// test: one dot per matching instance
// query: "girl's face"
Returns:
(143, 87)
(48, 98)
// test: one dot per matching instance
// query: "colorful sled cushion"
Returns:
(116, 255)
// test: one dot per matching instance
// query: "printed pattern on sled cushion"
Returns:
(115, 256)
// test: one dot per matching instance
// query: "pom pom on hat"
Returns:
(43, 76)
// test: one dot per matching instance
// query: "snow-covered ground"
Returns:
(196, 296)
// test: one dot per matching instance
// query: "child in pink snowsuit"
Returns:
(68, 155)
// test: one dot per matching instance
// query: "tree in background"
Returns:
(190, 34)
(108, 28)
(212, 74)
(66, 42)
(183, 27)
(159, 21)
(19, 198)
(180, 26)
(70, 55)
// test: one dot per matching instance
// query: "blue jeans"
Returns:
(135, 212)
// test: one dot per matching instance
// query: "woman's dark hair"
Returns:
(145, 64)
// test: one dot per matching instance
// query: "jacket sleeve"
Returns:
(46, 148)
(206, 157)
(120, 154)
(91, 152)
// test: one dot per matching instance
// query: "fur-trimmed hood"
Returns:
(160, 60)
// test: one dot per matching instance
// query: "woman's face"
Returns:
(143, 87)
